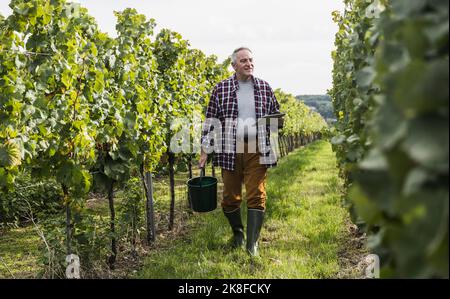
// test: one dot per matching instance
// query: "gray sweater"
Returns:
(246, 111)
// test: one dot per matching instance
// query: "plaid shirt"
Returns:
(223, 106)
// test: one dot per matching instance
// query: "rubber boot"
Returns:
(237, 227)
(255, 219)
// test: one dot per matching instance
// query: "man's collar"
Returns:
(236, 84)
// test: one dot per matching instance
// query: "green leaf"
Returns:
(66, 78)
(73, 176)
(336, 140)
(10, 154)
(364, 206)
(353, 138)
(407, 8)
(94, 50)
(427, 142)
(415, 181)
(393, 56)
(390, 125)
(374, 161)
(116, 170)
(365, 77)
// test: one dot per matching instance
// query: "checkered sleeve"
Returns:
(274, 105)
(211, 113)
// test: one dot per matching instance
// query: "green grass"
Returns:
(19, 253)
(301, 237)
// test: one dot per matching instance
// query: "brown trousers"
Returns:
(247, 171)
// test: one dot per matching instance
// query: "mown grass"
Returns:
(301, 237)
(19, 253)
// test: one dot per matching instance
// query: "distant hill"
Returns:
(320, 103)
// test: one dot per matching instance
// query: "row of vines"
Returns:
(391, 95)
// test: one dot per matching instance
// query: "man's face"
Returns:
(244, 64)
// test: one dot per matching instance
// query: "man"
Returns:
(242, 150)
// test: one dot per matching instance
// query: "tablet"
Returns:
(276, 115)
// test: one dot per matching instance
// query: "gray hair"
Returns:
(233, 56)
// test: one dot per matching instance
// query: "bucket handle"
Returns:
(202, 174)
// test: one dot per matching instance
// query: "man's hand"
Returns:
(203, 158)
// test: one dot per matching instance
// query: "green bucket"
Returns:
(202, 192)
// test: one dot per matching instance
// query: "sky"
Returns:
(291, 40)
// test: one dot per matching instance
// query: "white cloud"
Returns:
(4, 8)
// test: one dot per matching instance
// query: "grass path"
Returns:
(304, 232)
(19, 253)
